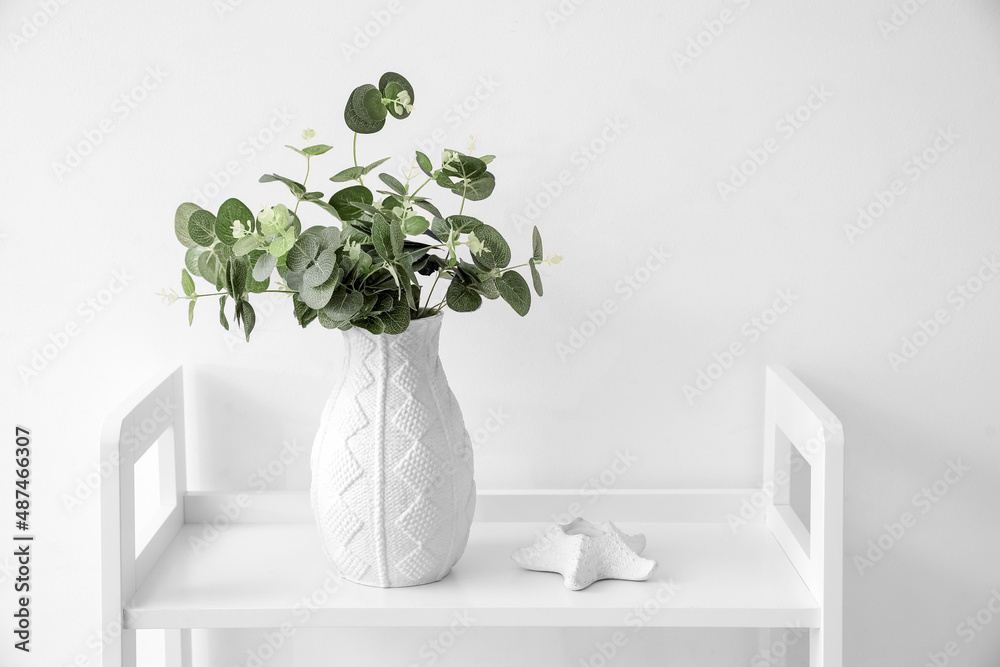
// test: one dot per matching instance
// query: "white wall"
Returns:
(558, 85)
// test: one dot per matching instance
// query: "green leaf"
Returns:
(393, 183)
(390, 84)
(382, 238)
(396, 320)
(297, 150)
(254, 285)
(297, 188)
(201, 228)
(343, 305)
(343, 201)
(264, 266)
(424, 163)
(476, 189)
(318, 296)
(427, 206)
(321, 268)
(303, 252)
(318, 149)
(373, 165)
(416, 224)
(364, 113)
(326, 207)
(181, 219)
(246, 245)
(463, 224)
(514, 290)
(349, 174)
(187, 282)
(488, 158)
(248, 316)
(191, 312)
(283, 243)
(465, 167)
(536, 247)
(396, 237)
(232, 210)
(208, 266)
(488, 288)
(371, 324)
(222, 312)
(191, 259)
(495, 252)
(536, 278)
(462, 298)
(239, 269)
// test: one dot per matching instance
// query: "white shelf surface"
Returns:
(262, 575)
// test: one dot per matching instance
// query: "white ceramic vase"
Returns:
(392, 472)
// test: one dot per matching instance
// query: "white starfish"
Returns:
(585, 552)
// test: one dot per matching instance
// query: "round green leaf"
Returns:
(495, 253)
(255, 284)
(321, 268)
(362, 111)
(232, 210)
(343, 305)
(181, 219)
(398, 82)
(514, 290)
(191, 259)
(263, 266)
(303, 252)
(343, 201)
(201, 228)
(461, 298)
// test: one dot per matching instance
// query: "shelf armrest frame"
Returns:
(154, 413)
(795, 417)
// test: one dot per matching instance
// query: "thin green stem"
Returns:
(433, 285)
(462, 207)
(414, 193)
(299, 201)
(355, 149)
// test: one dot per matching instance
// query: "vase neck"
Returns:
(419, 343)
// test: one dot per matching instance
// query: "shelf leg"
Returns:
(178, 643)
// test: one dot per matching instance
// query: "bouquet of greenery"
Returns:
(364, 272)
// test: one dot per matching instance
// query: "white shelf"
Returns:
(257, 575)
(263, 569)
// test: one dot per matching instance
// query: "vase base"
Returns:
(371, 584)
